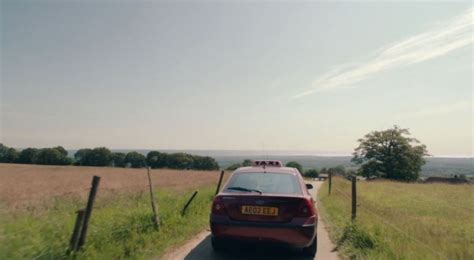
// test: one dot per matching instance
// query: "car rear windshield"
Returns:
(277, 183)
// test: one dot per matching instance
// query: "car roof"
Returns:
(260, 169)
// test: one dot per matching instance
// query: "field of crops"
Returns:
(401, 221)
(38, 205)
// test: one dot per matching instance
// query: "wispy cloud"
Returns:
(439, 40)
(438, 110)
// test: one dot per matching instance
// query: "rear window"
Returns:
(277, 183)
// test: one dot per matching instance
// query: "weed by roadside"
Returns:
(120, 227)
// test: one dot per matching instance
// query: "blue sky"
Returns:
(310, 76)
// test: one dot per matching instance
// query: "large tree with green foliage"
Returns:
(81, 156)
(8, 154)
(156, 159)
(135, 160)
(390, 154)
(295, 165)
(247, 162)
(99, 156)
(28, 156)
(51, 156)
(118, 160)
(311, 173)
(205, 163)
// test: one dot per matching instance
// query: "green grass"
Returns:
(401, 221)
(120, 226)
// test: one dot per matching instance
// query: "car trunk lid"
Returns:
(262, 208)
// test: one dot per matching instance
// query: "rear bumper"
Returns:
(295, 233)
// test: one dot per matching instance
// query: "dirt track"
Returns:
(200, 247)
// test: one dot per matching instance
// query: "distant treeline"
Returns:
(102, 156)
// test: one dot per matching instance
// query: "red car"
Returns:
(265, 203)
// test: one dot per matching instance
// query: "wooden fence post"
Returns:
(73, 244)
(354, 198)
(88, 212)
(219, 183)
(330, 182)
(187, 204)
(156, 221)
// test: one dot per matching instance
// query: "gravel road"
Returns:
(200, 247)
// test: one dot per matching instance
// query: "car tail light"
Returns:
(218, 207)
(306, 208)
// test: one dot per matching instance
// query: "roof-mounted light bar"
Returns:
(267, 163)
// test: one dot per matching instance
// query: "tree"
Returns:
(247, 162)
(340, 169)
(391, 154)
(135, 160)
(7, 154)
(99, 156)
(205, 163)
(311, 173)
(61, 150)
(155, 159)
(233, 167)
(81, 155)
(118, 160)
(180, 161)
(28, 156)
(296, 165)
(51, 156)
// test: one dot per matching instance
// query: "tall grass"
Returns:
(120, 226)
(401, 221)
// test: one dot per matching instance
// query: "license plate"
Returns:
(257, 210)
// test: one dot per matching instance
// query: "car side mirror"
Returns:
(309, 186)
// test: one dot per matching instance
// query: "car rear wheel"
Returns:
(217, 245)
(311, 250)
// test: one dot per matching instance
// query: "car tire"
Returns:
(217, 245)
(311, 250)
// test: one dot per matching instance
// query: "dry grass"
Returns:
(24, 185)
(401, 221)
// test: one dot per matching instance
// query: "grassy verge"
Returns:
(120, 226)
(400, 220)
